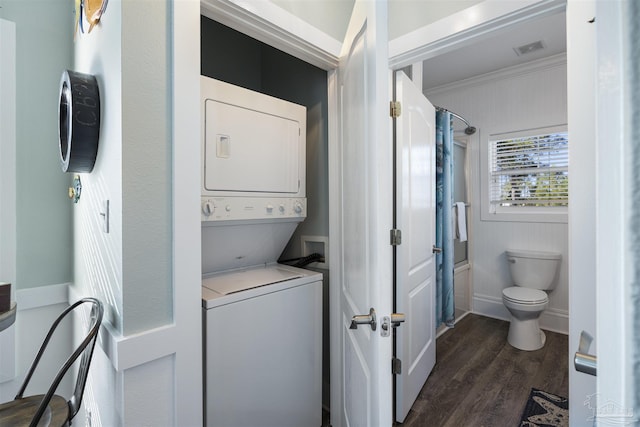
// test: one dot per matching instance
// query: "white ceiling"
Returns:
(497, 52)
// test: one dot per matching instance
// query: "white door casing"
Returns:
(415, 261)
(616, 200)
(361, 176)
(582, 210)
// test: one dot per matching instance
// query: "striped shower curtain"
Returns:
(444, 220)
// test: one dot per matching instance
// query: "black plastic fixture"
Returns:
(79, 127)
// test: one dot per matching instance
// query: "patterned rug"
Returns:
(545, 410)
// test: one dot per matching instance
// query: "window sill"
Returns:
(552, 217)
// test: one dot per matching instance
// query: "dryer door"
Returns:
(250, 151)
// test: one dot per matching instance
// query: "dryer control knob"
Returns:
(297, 207)
(269, 208)
(208, 208)
(281, 208)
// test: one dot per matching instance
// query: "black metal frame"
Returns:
(85, 348)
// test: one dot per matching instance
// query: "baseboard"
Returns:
(42, 296)
(552, 319)
(124, 352)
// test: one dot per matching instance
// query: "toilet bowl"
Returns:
(533, 274)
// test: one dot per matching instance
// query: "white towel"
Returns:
(462, 221)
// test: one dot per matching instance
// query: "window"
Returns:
(528, 174)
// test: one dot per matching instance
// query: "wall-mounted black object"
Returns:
(79, 127)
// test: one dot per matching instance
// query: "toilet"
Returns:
(533, 274)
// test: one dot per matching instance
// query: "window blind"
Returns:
(530, 171)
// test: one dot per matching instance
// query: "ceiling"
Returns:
(497, 51)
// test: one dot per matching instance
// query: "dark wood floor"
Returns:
(480, 380)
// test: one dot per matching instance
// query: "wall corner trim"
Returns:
(134, 350)
(129, 351)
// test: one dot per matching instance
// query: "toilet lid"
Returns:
(525, 295)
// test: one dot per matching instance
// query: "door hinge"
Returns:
(396, 366)
(396, 237)
(395, 109)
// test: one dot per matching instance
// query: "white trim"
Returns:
(615, 202)
(123, 352)
(270, 24)
(444, 328)
(184, 337)
(335, 247)
(43, 296)
(8, 153)
(531, 67)
(135, 350)
(464, 27)
(552, 319)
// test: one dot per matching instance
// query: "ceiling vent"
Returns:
(529, 48)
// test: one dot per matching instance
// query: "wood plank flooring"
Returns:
(480, 380)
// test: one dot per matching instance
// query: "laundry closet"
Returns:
(251, 69)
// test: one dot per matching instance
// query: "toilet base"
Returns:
(526, 334)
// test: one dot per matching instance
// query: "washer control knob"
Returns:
(297, 207)
(208, 208)
(281, 208)
(269, 208)
(227, 208)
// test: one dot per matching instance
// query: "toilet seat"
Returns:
(525, 296)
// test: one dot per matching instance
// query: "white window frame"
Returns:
(491, 212)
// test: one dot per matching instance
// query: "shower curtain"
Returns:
(444, 219)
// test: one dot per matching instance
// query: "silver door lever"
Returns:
(582, 361)
(364, 319)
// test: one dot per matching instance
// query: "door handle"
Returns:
(582, 361)
(397, 318)
(389, 322)
(364, 319)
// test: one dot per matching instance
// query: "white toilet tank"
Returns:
(533, 269)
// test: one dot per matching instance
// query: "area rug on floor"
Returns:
(545, 410)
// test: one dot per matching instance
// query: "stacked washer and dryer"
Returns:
(262, 321)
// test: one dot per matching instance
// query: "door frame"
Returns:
(270, 24)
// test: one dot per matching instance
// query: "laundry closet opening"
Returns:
(238, 59)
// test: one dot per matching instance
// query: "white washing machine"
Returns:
(263, 347)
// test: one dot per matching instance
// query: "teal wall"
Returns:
(44, 48)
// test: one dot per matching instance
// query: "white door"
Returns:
(616, 209)
(361, 219)
(415, 262)
(581, 39)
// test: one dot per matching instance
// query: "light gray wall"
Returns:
(129, 267)
(406, 16)
(329, 16)
(146, 166)
(332, 16)
(44, 40)
(527, 97)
